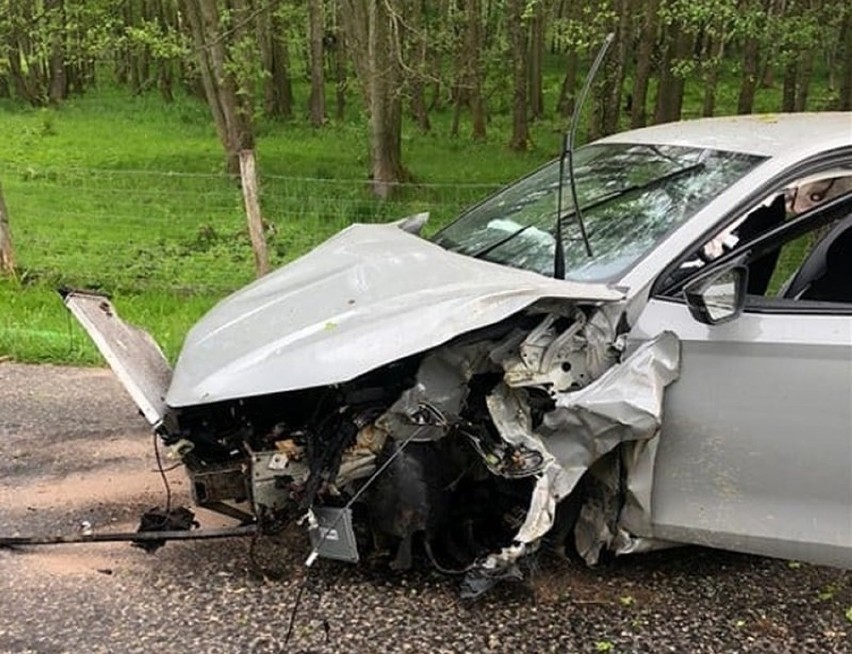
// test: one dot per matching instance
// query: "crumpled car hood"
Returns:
(368, 296)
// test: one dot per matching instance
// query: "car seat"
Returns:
(826, 274)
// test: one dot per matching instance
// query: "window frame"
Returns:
(821, 215)
(665, 288)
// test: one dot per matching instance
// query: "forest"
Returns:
(124, 122)
(476, 58)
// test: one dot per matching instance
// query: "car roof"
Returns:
(767, 135)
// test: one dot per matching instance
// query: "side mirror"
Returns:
(719, 296)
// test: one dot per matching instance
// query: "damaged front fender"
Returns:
(623, 406)
(464, 451)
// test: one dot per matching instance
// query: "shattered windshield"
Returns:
(631, 196)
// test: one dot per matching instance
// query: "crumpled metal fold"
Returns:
(623, 405)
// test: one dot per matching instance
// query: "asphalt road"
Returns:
(73, 450)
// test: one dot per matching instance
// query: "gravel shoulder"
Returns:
(73, 449)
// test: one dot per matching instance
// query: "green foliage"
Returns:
(585, 30)
(161, 42)
(828, 592)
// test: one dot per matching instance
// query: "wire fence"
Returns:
(142, 230)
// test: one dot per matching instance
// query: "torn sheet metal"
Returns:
(617, 504)
(622, 405)
(421, 412)
(133, 355)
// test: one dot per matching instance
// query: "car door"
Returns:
(755, 452)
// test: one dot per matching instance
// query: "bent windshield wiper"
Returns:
(568, 153)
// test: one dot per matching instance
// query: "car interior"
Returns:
(811, 264)
(826, 274)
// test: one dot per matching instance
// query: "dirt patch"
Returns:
(73, 560)
(83, 489)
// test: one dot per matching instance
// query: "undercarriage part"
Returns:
(177, 519)
(273, 477)
(480, 580)
(230, 511)
(325, 453)
(130, 537)
(217, 482)
(410, 498)
(331, 533)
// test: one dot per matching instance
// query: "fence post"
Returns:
(7, 254)
(248, 176)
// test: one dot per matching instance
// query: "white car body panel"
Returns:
(370, 295)
(756, 446)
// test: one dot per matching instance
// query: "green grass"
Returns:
(34, 325)
(125, 194)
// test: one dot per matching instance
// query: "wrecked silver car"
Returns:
(666, 360)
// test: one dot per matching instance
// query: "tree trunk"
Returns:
(715, 52)
(565, 104)
(373, 33)
(355, 20)
(644, 63)
(231, 114)
(316, 29)
(459, 98)
(25, 74)
(684, 50)
(615, 68)
(168, 22)
(467, 89)
(7, 253)
(518, 50)
(474, 57)
(461, 70)
(417, 78)
(248, 177)
(58, 81)
(341, 81)
(264, 42)
(385, 100)
(238, 92)
(271, 38)
(748, 82)
(788, 94)
(281, 88)
(209, 79)
(670, 91)
(662, 103)
(536, 62)
(846, 58)
(804, 80)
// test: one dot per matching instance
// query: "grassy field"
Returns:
(125, 194)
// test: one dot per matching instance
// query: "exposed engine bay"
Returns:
(407, 402)
(466, 456)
